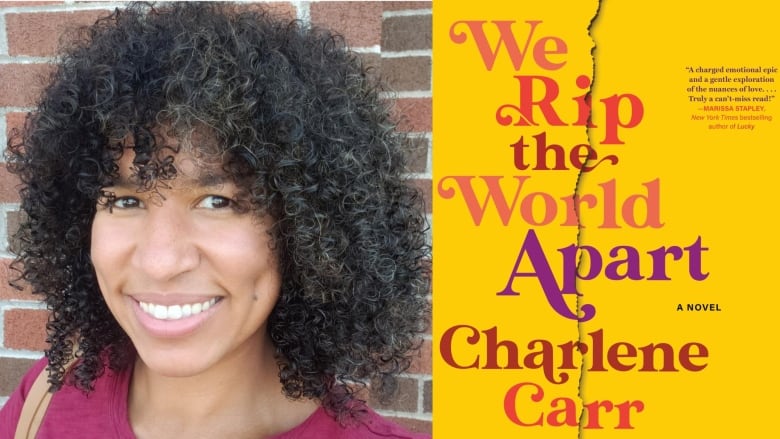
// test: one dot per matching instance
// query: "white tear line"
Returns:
(418, 53)
(376, 48)
(9, 304)
(415, 94)
(64, 7)
(5, 208)
(418, 415)
(418, 175)
(421, 396)
(20, 354)
(3, 137)
(302, 11)
(3, 37)
(406, 13)
(4, 239)
(429, 158)
(7, 59)
(6, 110)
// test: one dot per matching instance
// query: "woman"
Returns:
(216, 217)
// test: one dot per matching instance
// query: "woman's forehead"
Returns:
(199, 139)
(194, 152)
(190, 168)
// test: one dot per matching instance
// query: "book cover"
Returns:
(604, 229)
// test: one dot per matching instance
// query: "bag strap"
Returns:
(34, 408)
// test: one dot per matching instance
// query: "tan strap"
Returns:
(34, 408)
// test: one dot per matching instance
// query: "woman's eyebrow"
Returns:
(124, 182)
(208, 179)
(203, 179)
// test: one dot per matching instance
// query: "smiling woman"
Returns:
(188, 249)
(217, 218)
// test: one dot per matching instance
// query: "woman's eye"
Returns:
(126, 203)
(215, 202)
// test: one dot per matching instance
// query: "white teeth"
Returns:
(160, 312)
(176, 312)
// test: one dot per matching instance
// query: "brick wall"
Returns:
(395, 37)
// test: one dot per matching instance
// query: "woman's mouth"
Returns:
(174, 320)
(176, 312)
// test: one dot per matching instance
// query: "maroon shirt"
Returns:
(103, 414)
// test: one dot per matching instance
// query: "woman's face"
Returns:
(190, 278)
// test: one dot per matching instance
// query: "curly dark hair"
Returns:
(300, 127)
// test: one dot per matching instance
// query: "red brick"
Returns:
(11, 372)
(408, 73)
(275, 9)
(21, 84)
(372, 62)
(9, 186)
(359, 22)
(416, 151)
(425, 187)
(12, 221)
(413, 114)
(26, 329)
(403, 6)
(405, 400)
(14, 121)
(428, 396)
(407, 33)
(39, 33)
(422, 362)
(415, 425)
(7, 291)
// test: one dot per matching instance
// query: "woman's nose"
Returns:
(166, 244)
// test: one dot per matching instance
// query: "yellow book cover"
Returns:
(604, 233)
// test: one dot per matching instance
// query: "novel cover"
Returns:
(604, 225)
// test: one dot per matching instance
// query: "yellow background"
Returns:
(717, 184)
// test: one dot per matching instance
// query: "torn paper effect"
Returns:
(577, 188)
